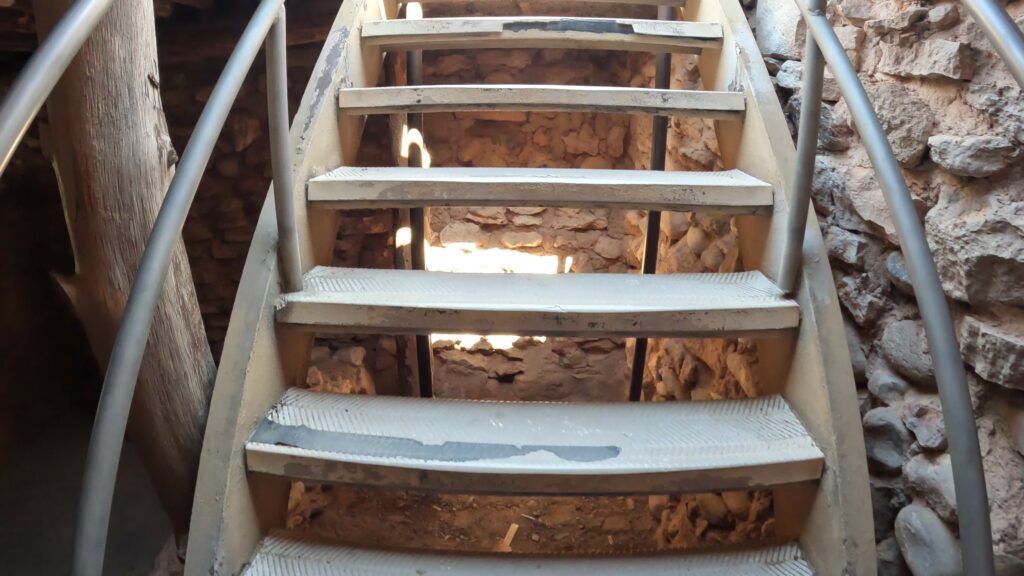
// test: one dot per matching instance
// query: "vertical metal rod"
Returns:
(417, 216)
(281, 155)
(115, 402)
(807, 148)
(950, 376)
(659, 140)
(42, 72)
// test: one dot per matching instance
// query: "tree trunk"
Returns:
(115, 160)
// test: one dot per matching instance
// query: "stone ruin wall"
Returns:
(955, 120)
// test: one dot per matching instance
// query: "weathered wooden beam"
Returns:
(113, 152)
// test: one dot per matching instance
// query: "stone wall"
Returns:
(955, 120)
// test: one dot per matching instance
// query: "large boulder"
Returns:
(905, 346)
(931, 479)
(906, 118)
(886, 441)
(973, 156)
(780, 29)
(927, 544)
(978, 245)
(992, 342)
(933, 59)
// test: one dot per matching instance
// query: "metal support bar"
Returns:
(968, 474)
(281, 155)
(1004, 34)
(42, 72)
(659, 139)
(807, 149)
(417, 216)
(123, 370)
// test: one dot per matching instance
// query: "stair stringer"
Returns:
(233, 509)
(835, 526)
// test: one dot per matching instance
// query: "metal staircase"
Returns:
(802, 439)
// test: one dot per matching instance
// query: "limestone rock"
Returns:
(460, 233)
(865, 302)
(906, 118)
(931, 479)
(791, 76)
(901, 22)
(943, 17)
(780, 29)
(932, 58)
(608, 248)
(927, 544)
(896, 271)
(978, 244)
(487, 215)
(857, 12)
(905, 347)
(846, 246)
(993, 343)
(927, 425)
(886, 441)
(852, 38)
(886, 386)
(973, 156)
(522, 239)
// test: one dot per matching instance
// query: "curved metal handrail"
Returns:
(43, 70)
(130, 344)
(823, 46)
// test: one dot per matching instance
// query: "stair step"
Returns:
(730, 191)
(534, 447)
(679, 3)
(360, 300)
(543, 32)
(541, 98)
(282, 554)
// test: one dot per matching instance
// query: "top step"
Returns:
(678, 3)
(541, 98)
(283, 553)
(543, 32)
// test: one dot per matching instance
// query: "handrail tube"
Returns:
(130, 344)
(281, 157)
(42, 72)
(806, 151)
(1004, 34)
(951, 378)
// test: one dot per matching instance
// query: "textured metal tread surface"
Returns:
(543, 32)
(730, 191)
(415, 301)
(534, 447)
(541, 98)
(281, 554)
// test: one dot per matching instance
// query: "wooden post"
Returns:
(115, 160)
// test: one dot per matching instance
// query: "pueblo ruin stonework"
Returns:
(955, 120)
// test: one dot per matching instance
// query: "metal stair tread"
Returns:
(542, 32)
(282, 554)
(534, 447)
(731, 191)
(541, 98)
(411, 301)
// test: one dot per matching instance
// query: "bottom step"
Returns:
(281, 555)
